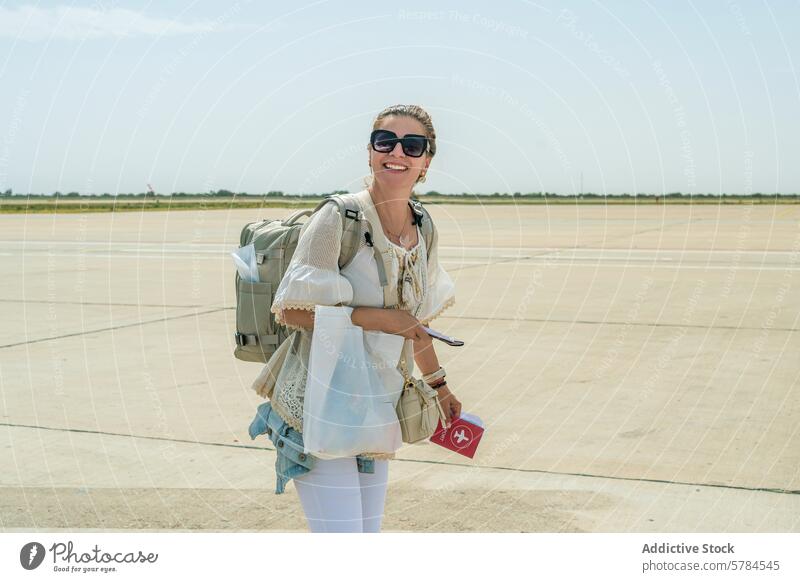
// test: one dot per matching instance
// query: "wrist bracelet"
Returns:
(433, 376)
(439, 385)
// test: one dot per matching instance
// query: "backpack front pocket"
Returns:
(255, 336)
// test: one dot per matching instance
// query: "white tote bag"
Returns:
(347, 408)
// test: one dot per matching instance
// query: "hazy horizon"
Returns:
(418, 192)
(526, 97)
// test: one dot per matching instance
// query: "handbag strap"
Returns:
(403, 367)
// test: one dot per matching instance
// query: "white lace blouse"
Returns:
(313, 278)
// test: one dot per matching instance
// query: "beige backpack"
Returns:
(257, 334)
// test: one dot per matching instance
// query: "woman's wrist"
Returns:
(435, 376)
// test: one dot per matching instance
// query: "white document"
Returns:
(245, 259)
(476, 420)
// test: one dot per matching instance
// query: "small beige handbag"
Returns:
(418, 409)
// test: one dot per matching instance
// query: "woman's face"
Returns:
(400, 125)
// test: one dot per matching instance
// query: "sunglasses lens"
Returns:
(414, 146)
(383, 141)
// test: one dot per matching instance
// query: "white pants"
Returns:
(337, 498)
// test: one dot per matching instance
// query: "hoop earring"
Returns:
(421, 179)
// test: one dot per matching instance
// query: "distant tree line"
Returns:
(280, 194)
(595, 195)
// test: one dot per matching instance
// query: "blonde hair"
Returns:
(415, 112)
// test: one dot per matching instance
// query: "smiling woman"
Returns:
(348, 493)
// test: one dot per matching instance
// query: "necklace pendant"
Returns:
(404, 240)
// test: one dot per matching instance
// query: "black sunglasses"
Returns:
(413, 145)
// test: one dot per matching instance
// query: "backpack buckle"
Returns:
(350, 213)
(243, 339)
(417, 211)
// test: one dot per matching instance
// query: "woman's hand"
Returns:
(450, 404)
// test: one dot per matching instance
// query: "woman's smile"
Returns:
(394, 168)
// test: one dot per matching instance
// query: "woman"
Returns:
(348, 494)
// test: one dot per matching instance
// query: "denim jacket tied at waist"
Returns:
(290, 460)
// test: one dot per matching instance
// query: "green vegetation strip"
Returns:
(49, 205)
(77, 207)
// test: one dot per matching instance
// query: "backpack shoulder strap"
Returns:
(349, 210)
(425, 222)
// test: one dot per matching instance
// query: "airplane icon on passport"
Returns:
(463, 435)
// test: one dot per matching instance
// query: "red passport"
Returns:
(462, 437)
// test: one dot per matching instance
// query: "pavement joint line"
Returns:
(102, 329)
(776, 490)
(585, 247)
(650, 264)
(95, 303)
(222, 248)
(461, 317)
(643, 324)
(489, 264)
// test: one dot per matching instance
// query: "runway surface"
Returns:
(637, 368)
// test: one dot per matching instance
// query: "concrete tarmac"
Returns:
(637, 368)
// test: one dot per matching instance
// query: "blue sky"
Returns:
(525, 96)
